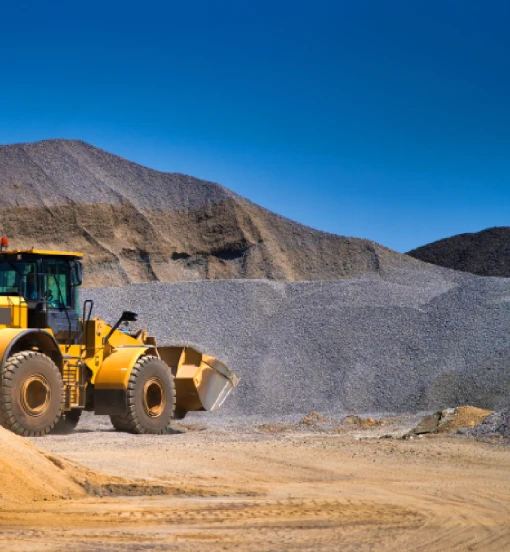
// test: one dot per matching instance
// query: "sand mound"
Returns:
(135, 224)
(402, 341)
(485, 253)
(462, 417)
(28, 475)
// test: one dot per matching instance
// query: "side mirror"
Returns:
(129, 316)
(126, 316)
(77, 274)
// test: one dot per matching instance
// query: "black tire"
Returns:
(150, 398)
(67, 422)
(31, 394)
(119, 422)
(180, 413)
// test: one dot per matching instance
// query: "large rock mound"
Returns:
(135, 224)
(496, 426)
(403, 341)
(486, 253)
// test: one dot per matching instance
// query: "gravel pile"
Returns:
(486, 253)
(135, 224)
(403, 341)
(70, 171)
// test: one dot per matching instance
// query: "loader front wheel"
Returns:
(150, 398)
(31, 394)
(67, 422)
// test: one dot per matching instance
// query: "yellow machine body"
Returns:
(97, 366)
(13, 312)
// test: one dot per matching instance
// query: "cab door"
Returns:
(58, 299)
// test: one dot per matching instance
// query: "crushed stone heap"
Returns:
(403, 341)
(136, 224)
(486, 253)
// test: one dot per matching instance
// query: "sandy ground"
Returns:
(273, 486)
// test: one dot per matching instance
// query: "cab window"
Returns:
(56, 283)
(18, 278)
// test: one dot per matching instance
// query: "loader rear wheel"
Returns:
(150, 398)
(31, 394)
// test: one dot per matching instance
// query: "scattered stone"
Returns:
(313, 419)
(450, 420)
(362, 422)
(428, 424)
(461, 417)
(497, 425)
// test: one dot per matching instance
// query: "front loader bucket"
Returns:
(202, 382)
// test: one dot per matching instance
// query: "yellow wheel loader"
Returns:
(57, 361)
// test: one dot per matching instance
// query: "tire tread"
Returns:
(129, 421)
(7, 417)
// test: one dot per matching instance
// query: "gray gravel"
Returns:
(405, 341)
(486, 253)
(57, 172)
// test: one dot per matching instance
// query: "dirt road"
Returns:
(260, 489)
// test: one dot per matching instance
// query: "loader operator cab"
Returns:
(49, 283)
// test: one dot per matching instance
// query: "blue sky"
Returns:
(385, 120)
